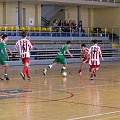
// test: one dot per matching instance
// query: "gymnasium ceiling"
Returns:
(70, 2)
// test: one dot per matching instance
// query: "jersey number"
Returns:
(94, 54)
(24, 49)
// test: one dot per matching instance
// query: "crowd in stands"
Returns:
(67, 26)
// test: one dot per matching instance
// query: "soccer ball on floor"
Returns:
(64, 74)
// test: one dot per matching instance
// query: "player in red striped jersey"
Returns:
(24, 46)
(94, 59)
(84, 53)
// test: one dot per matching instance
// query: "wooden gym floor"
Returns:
(54, 97)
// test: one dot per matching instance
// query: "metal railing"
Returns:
(63, 31)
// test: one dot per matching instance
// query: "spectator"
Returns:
(80, 27)
(70, 23)
(55, 26)
(74, 25)
(60, 23)
(66, 23)
(55, 23)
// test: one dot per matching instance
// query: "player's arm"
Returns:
(8, 49)
(88, 54)
(30, 45)
(81, 54)
(101, 55)
(69, 53)
(16, 47)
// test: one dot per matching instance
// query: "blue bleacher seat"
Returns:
(75, 35)
(83, 35)
(45, 34)
(65, 34)
(32, 34)
(8, 34)
(55, 34)
(13, 34)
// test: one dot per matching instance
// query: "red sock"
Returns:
(27, 72)
(92, 75)
(95, 70)
(25, 69)
(80, 70)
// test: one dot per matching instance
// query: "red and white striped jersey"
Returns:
(84, 52)
(94, 54)
(24, 47)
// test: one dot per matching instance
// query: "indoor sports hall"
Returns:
(33, 90)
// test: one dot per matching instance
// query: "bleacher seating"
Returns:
(46, 50)
(47, 43)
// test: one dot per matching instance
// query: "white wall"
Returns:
(107, 17)
(11, 13)
(30, 12)
(71, 13)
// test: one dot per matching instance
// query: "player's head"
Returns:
(83, 45)
(94, 41)
(4, 37)
(24, 34)
(68, 43)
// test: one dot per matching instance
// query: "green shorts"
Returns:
(60, 59)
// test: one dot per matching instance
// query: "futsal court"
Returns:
(54, 97)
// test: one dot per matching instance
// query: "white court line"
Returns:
(90, 116)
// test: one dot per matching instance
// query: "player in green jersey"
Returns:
(4, 55)
(60, 58)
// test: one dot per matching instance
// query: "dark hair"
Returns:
(68, 42)
(4, 36)
(94, 41)
(83, 45)
(24, 34)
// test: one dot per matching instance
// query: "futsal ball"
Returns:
(64, 74)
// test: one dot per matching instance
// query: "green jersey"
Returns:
(3, 50)
(63, 50)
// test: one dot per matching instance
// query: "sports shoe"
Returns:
(45, 71)
(29, 78)
(91, 78)
(1, 79)
(62, 70)
(6, 77)
(22, 75)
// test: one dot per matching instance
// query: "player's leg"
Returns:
(3, 62)
(64, 62)
(56, 60)
(0, 69)
(6, 69)
(64, 67)
(85, 60)
(25, 68)
(23, 73)
(27, 71)
(91, 70)
(49, 67)
(1, 65)
(96, 69)
(81, 68)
